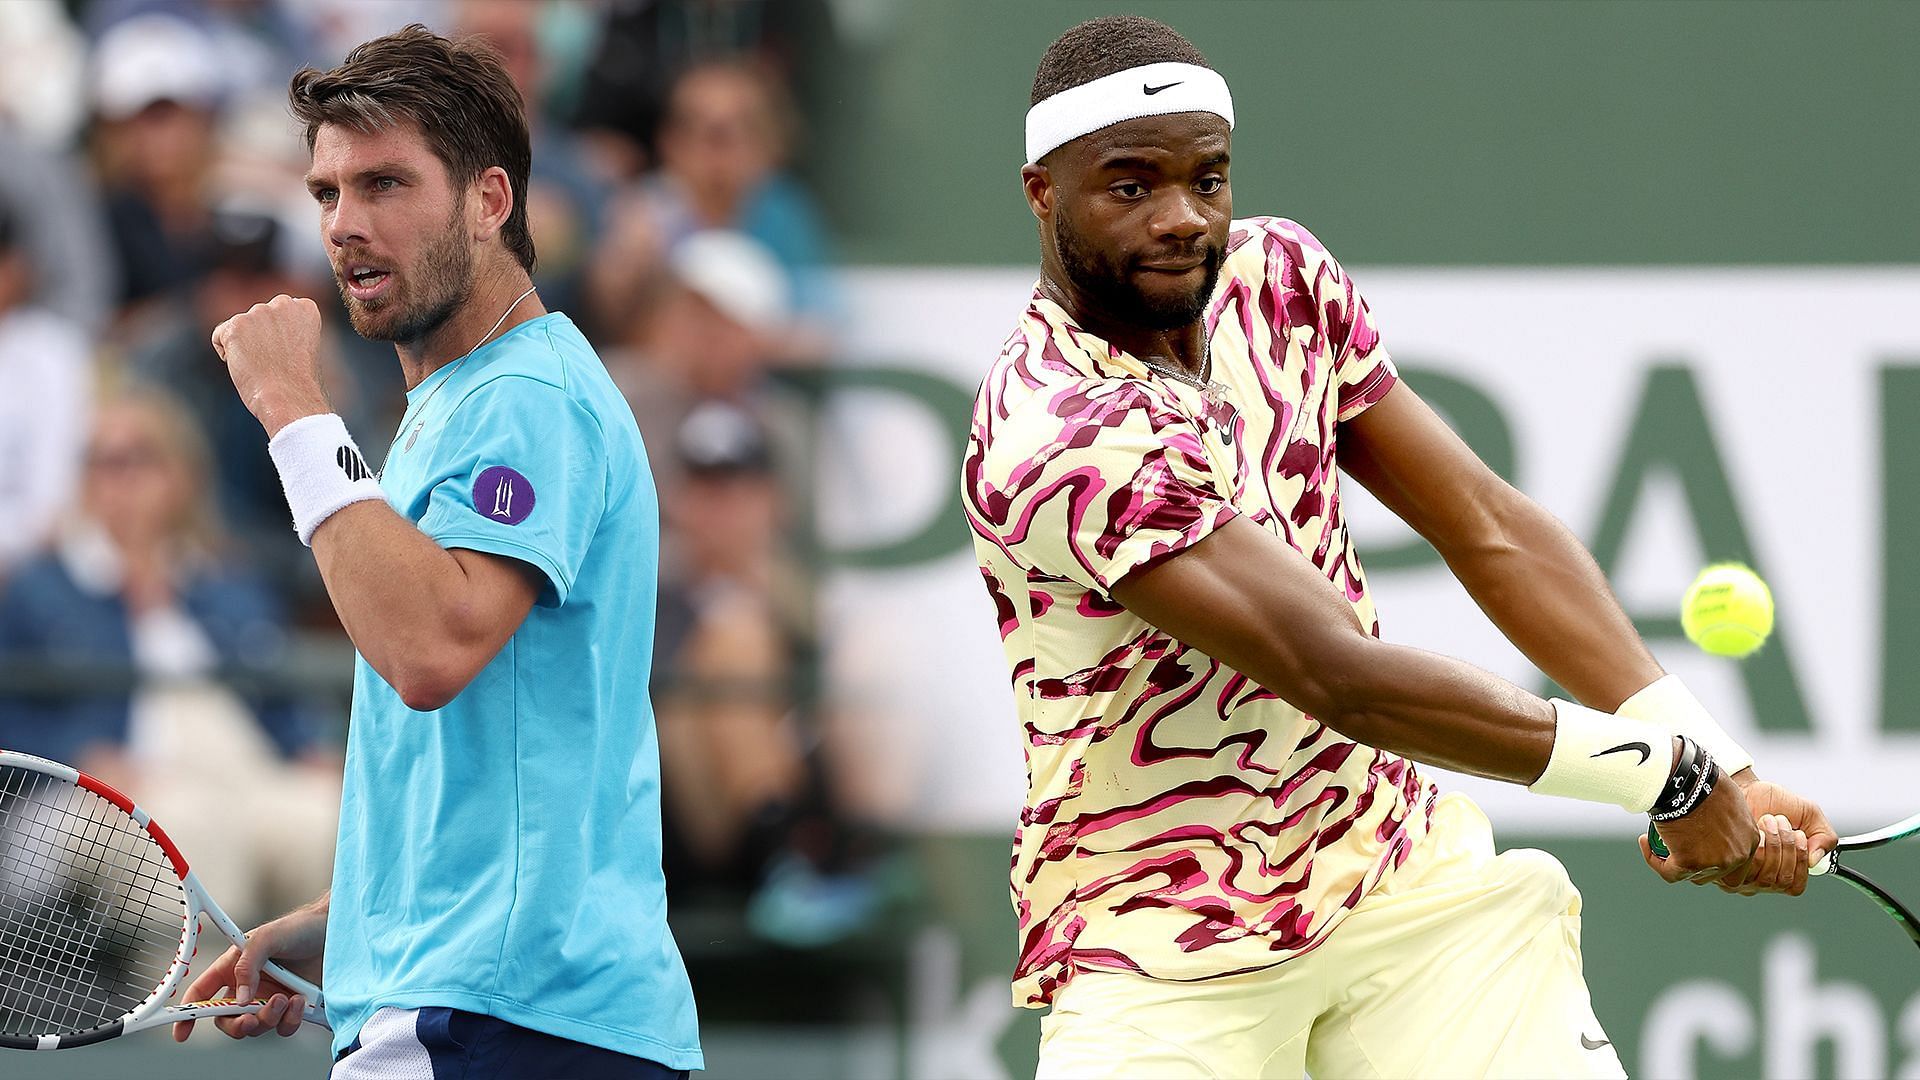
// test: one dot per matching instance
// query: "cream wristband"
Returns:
(321, 471)
(1604, 758)
(1668, 701)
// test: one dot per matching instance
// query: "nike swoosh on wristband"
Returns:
(1156, 89)
(1592, 1045)
(1645, 750)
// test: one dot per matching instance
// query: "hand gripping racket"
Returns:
(99, 914)
(1830, 864)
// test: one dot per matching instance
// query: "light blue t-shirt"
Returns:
(502, 854)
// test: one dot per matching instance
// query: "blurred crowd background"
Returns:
(160, 624)
(794, 231)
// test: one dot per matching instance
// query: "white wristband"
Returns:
(321, 471)
(1668, 701)
(1603, 758)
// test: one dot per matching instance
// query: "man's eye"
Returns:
(1210, 185)
(385, 183)
(1129, 189)
(325, 195)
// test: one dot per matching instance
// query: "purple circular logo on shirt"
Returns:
(502, 495)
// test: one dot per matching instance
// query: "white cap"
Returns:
(737, 274)
(151, 58)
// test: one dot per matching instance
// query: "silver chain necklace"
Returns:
(1202, 382)
(421, 412)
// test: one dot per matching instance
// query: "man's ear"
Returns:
(492, 203)
(1037, 181)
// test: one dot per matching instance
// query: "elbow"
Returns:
(1337, 687)
(425, 687)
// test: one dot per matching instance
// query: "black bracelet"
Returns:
(1692, 779)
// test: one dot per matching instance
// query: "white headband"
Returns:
(1147, 90)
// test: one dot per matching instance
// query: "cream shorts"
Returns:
(1464, 964)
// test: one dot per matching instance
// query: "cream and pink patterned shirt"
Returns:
(1181, 820)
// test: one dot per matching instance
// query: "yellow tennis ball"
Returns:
(1728, 610)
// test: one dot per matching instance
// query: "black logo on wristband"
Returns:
(1645, 750)
(352, 464)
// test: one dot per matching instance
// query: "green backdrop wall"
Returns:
(1433, 133)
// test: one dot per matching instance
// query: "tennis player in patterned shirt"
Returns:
(1231, 862)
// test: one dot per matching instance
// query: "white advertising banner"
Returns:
(1670, 417)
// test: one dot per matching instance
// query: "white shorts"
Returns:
(1464, 964)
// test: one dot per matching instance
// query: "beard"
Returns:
(1108, 280)
(443, 279)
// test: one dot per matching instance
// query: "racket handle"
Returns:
(1824, 865)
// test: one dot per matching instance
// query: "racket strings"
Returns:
(91, 912)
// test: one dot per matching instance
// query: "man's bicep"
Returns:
(1407, 457)
(500, 592)
(1246, 598)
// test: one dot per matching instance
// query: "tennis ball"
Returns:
(1728, 610)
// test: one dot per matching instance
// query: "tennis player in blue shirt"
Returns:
(497, 907)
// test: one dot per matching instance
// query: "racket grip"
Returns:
(1824, 865)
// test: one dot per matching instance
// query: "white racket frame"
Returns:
(153, 1011)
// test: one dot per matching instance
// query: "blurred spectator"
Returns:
(339, 25)
(745, 805)
(247, 262)
(141, 599)
(722, 146)
(712, 335)
(157, 87)
(259, 42)
(42, 81)
(59, 226)
(564, 197)
(644, 46)
(46, 376)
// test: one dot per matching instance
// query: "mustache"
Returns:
(1199, 249)
(347, 258)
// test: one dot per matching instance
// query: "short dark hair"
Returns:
(459, 94)
(1102, 46)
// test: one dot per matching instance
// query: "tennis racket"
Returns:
(99, 915)
(1830, 864)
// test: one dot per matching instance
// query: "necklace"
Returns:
(421, 412)
(1202, 382)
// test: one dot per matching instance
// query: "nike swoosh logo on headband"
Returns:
(1156, 89)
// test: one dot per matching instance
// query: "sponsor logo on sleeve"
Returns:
(503, 495)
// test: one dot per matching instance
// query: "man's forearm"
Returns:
(1442, 711)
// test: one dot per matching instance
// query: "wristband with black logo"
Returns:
(321, 471)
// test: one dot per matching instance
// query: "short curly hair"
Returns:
(1102, 46)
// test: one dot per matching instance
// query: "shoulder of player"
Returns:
(1072, 412)
(548, 362)
(534, 398)
(1046, 349)
(1254, 238)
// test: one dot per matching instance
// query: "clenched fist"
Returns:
(272, 351)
